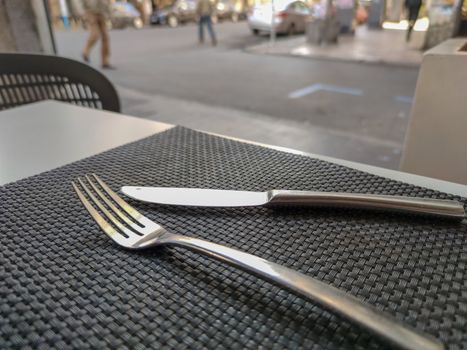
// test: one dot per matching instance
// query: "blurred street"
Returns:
(353, 111)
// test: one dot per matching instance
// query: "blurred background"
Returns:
(333, 77)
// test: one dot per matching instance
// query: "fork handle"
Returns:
(436, 207)
(328, 296)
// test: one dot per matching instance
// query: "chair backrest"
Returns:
(27, 78)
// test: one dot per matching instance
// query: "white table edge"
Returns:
(413, 179)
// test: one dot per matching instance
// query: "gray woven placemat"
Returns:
(64, 284)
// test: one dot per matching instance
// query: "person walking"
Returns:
(413, 9)
(96, 14)
(205, 10)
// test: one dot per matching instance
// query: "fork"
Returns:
(130, 229)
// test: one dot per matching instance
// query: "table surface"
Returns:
(45, 135)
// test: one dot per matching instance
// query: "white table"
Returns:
(45, 135)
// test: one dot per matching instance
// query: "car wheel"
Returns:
(138, 23)
(234, 17)
(255, 31)
(172, 21)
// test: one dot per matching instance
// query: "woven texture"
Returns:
(64, 284)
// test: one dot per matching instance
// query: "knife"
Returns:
(201, 197)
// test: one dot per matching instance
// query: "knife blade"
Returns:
(201, 197)
(198, 197)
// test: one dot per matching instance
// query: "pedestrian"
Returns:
(205, 10)
(96, 13)
(139, 5)
(413, 8)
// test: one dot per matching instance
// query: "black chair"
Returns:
(27, 78)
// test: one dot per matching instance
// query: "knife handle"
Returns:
(436, 207)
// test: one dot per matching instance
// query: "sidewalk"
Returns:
(369, 46)
(262, 128)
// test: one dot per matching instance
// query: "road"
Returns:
(163, 74)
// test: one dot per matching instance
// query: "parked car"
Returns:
(289, 17)
(181, 11)
(124, 15)
(228, 10)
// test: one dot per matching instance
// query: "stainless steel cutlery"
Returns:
(131, 230)
(201, 197)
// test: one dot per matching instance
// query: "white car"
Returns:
(289, 17)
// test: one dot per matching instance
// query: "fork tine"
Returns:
(107, 213)
(103, 224)
(109, 203)
(124, 205)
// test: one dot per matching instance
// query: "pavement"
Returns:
(347, 110)
(365, 46)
